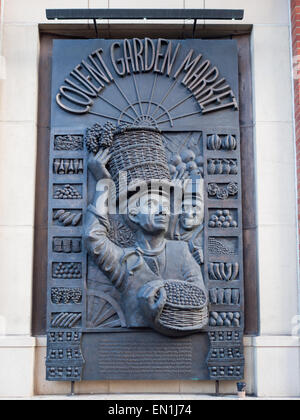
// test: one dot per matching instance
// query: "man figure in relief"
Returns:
(141, 273)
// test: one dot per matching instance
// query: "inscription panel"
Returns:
(131, 356)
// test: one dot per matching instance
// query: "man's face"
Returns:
(191, 216)
(153, 213)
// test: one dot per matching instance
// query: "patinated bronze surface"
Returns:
(132, 276)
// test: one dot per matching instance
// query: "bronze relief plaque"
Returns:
(145, 274)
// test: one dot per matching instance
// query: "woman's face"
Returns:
(191, 215)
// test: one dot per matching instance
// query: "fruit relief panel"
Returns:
(224, 260)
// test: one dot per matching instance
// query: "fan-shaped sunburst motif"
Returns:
(104, 311)
(146, 100)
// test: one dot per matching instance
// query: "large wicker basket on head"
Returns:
(140, 152)
(185, 308)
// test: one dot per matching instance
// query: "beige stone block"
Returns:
(92, 387)
(277, 367)
(18, 99)
(146, 4)
(16, 249)
(130, 387)
(194, 4)
(16, 367)
(249, 369)
(99, 4)
(271, 70)
(17, 341)
(182, 399)
(41, 341)
(17, 11)
(17, 174)
(275, 160)
(227, 388)
(277, 251)
(41, 386)
(197, 387)
(256, 11)
(275, 142)
(276, 341)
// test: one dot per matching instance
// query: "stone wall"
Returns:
(272, 358)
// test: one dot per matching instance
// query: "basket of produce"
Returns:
(138, 151)
(185, 306)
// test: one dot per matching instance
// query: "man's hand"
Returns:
(97, 164)
(152, 297)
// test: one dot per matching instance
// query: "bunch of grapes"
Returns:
(92, 138)
(99, 137)
(107, 135)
